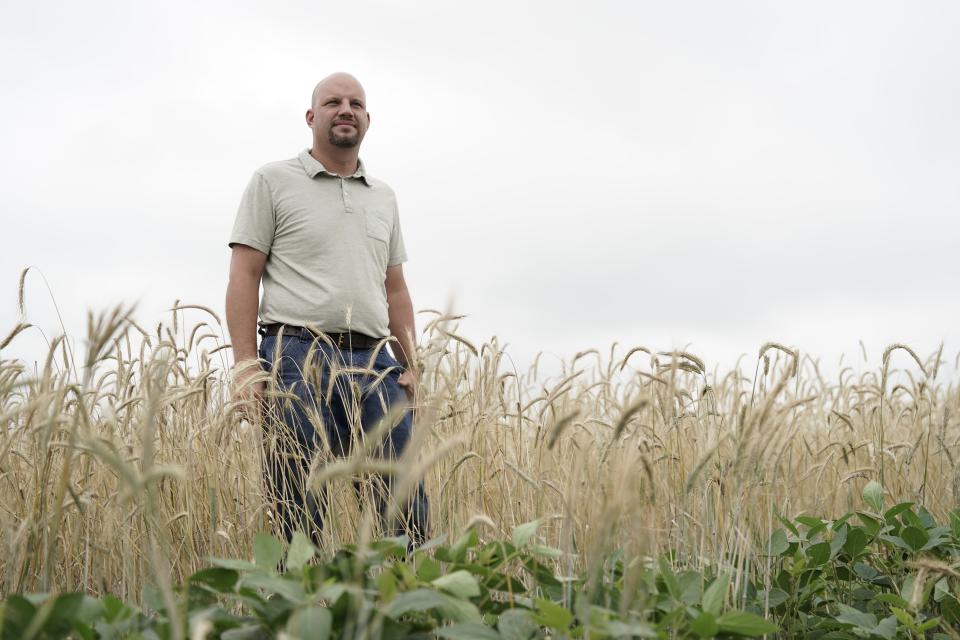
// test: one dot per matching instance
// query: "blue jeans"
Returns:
(320, 417)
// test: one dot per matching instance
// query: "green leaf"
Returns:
(428, 569)
(460, 583)
(545, 551)
(915, 537)
(903, 617)
(887, 628)
(310, 623)
(705, 625)
(300, 552)
(619, 629)
(550, 614)
(819, 553)
(416, 600)
(691, 587)
(522, 533)
(839, 539)
(745, 624)
(926, 625)
(789, 525)
(892, 599)
(218, 579)
(873, 495)
(896, 510)
(289, 589)
(267, 551)
(468, 631)
(855, 543)
(517, 624)
(778, 543)
(714, 595)
(459, 610)
(246, 632)
(386, 586)
(855, 617)
(670, 580)
(232, 563)
(950, 608)
(62, 613)
(870, 524)
(865, 571)
(458, 553)
(776, 597)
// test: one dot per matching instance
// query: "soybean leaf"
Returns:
(915, 537)
(310, 623)
(300, 552)
(522, 533)
(231, 563)
(705, 625)
(267, 551)
(289, 589)
(778, 543)
(855, 617)
(416, 600)
(873, 495)
(745, 624)
(950, 608)
(855, 543)
(550, 614)
(619, 629)
(460, 583)
(819, 553)
(468, 631)
(886, 628)
(670, 580)
(714, 595)
(217, 579)
(517, 624)
(896, 510)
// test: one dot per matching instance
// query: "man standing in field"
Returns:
(325, 238)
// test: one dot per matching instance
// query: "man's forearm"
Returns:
(400, 309)
(242, 303)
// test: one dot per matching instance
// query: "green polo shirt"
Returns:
(328, 240)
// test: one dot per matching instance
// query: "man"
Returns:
(325, 238)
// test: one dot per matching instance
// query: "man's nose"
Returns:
(345, 109)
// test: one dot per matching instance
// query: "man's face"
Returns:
(339, 112)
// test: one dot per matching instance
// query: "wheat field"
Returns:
(126, 464)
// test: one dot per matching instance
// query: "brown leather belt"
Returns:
(349, 340)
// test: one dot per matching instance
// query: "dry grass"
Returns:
(127, 464)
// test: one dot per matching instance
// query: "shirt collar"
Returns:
(313, 167)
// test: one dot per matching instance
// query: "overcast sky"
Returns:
(703, 174)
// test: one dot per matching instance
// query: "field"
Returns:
(126, 467)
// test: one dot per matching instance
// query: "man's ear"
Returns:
(309, 118)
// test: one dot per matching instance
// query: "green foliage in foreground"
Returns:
(873, 573)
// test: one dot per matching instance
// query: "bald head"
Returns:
(338, 116)
(337, 83)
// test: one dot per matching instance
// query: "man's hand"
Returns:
(247, 393)
(408, 380)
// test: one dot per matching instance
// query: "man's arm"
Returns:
(242, 303)
(400, 310)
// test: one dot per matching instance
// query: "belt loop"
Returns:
(303, 334)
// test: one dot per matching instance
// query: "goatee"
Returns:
(345, 142)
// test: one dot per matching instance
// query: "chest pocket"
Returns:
(377, 227)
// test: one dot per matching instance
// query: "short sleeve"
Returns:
(398, 251)
(256, 217)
